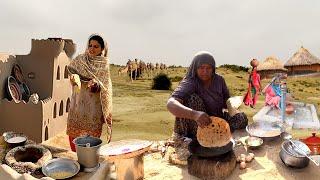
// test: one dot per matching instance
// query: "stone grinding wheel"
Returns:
(216, 134)
(218, 167)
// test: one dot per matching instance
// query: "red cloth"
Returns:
(72, 145)
(255, 79)
(254, 82)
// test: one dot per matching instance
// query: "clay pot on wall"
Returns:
(313, 142)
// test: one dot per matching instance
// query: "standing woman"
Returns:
(91, 101)
(254, 85)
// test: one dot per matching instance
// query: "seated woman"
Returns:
(273, 95)
(202, 93)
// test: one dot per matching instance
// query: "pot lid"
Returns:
(312, 139)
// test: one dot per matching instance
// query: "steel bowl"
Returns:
(61, 168)
(290, 155)
(264, 129)
(14, 139)
(254, 142)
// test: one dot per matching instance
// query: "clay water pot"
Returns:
(289, 109)
(254, 63)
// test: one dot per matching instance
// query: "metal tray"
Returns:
(264, 129)
(61, 168)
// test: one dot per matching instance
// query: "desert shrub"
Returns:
(161, 82)
(235, 68)
(176, 79)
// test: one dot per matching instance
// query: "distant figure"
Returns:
(91, 101)
(254, 85)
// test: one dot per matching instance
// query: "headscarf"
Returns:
(202, 57)
(97, 68)
(276, 88)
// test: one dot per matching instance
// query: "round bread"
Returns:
(216, 134)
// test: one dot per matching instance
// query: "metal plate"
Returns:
(60, 168)
(264, 129)
(17, 73)
(13, 89)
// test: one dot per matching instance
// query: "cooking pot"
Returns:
(290, 157)
(313, 143)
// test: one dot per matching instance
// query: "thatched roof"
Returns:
(271, 63)
(302, 57)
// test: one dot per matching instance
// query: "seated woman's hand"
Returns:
(202, 118)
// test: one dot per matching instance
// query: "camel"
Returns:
(142, 67)
(123, 70)
(132, 67)
(150, 68)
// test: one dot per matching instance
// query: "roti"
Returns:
(216, 134)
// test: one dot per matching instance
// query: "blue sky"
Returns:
(169, 31)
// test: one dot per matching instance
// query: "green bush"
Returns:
(235, 68)
(161, 82)
(176, 79)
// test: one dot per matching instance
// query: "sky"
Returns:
(168, 31)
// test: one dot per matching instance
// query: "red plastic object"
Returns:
(313, 143)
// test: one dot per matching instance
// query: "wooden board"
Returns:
(212, 168)
(124, 149)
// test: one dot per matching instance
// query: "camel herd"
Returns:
(136, 68)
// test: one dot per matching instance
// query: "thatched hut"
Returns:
(302, 62)
(270, 66)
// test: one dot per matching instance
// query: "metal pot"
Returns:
(290, 157)
(87, 150)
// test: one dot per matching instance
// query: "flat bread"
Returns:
(216, 134)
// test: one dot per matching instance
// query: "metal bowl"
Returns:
(61, 168)
(290, 155)
(254, 142)
(264, 129)
(14, 139)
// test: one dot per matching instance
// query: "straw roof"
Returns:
(302, 57)
(271, 63)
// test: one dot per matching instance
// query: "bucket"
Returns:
(87, 150)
